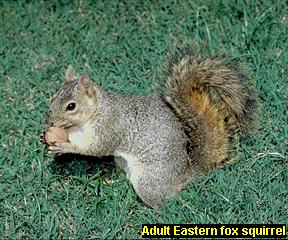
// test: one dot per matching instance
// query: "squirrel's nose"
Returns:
(49, 119)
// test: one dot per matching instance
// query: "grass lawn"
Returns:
(121, 45)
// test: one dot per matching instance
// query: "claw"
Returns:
(61, 147)
(54, 149)
(42, 138)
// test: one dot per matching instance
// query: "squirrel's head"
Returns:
(74, 103)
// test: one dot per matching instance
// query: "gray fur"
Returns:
(159, 143)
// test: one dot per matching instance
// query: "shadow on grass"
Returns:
(78, 165)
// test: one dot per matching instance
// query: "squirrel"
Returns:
(162, 142)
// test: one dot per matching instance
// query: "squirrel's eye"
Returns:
(70, 106)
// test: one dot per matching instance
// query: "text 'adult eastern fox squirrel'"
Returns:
(164, 142)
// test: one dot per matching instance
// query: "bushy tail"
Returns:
(218, 94)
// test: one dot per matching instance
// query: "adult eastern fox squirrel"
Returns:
(161, 142)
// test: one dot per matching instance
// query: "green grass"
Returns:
(121, 46)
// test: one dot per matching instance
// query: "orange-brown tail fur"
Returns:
(215, 102)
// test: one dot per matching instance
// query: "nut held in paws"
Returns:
(55, 134)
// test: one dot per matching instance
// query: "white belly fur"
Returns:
(134, 168)
(81, 136)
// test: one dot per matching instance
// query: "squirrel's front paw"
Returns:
(62, 147)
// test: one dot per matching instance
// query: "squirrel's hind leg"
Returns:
(156, 183)
(120, 163)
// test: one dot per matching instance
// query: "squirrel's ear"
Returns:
(86, 85)
(69, 74)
